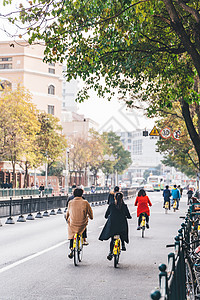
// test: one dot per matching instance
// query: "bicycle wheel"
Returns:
(76, 259)
(80, 250)
(190, 289)
(143, 229)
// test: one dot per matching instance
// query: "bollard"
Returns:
(156, 295)
(0, 223)
(21, 217)
(39, 215)
(59, 211)
(10, 219)
(30, 216)
(46, 214)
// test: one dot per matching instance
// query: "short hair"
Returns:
(167, 186)
(175, 185)
(78, 192)
(116, 189)
(141, 193)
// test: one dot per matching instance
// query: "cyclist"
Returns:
(166, 194)
(190, 194)
(117, 214)
(78, 212)
(176, 195)
(142, 202)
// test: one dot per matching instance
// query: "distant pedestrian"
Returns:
(190, 194)
(176, 196)
(92, 188)
(41, 189)
(180, 189)
(166, 194)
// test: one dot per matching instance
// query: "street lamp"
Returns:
(66, 171)
(67, 168)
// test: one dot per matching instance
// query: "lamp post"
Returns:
(66, 171)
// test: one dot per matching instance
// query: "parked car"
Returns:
(148, 188)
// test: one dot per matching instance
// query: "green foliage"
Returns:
(133, 45)
(50, 140)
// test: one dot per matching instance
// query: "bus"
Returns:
(138, 181)
(157, 181)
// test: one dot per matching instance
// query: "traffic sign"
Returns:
(154, 132)
(176, 134)
(165, 133)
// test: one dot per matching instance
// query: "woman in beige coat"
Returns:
(78, 212)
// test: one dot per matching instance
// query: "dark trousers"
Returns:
(84, 235)
(112, 242)
(140, 218)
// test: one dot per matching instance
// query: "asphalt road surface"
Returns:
(34, 261)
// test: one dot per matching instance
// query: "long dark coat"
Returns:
(116, 223)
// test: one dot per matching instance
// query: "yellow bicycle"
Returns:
(143, 225)
(166, 206)
(175, 205)
(116, 249)
(77, 248)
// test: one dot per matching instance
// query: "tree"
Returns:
(148, 48)
(121, 157)
(50, 140)
(18, 127)
(178, 153)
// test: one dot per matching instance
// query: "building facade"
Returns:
(23, 64)
(143, 153)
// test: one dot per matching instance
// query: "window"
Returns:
(51, 90)
(51, 109)
(129, 141)
(52, 64)
(52, 71)
(5, 66)
(5, 58)
(137, 147)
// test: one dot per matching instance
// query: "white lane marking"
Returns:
(31, 257)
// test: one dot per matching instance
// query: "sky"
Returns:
(110, 115)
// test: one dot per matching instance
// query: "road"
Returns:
(34, 263)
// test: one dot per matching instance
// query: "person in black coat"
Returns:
(117, 214)
(111, 196)
(166, 194)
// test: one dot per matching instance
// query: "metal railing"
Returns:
(172, 277)
(5, 193)
(28, 205)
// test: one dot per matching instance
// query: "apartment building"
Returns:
(143, 152)
(22, 63)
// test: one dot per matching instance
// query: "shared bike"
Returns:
(77, 248)
(166, 206)
(143, 224)
(116, 249)
(175, 205)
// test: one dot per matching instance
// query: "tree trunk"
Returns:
(190, 127)
(26, 175)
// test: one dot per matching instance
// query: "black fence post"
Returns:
(46, 214)
(21, 217)
(39, 215)
(163, 281)
(10, 219)
(53, 213)
(30, 216)
(59, 211)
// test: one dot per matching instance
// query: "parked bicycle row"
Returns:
(180, 279)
